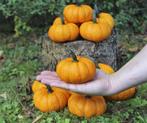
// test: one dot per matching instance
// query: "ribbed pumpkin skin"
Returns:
(37, 86)
(95, 31)
(58, 21)
(86, 106)
(106, 68)
(124, 95)
(76, 72)
(106, 18)
(77, 14)
(47, 101)
(63, 32)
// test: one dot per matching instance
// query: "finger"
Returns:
(59, 84)
(48, 81)
(79, 88)
(45, 72)
(50, 73)
(53, 73)
(40, 77)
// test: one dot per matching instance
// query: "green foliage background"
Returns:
(25, 15)
(22, 63)
(22, 58)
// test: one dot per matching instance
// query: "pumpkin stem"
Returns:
(96, 9)
(50, 90)
(62, 18)
(74, 57)
(78, 2)
(87, 96)
(94, 16)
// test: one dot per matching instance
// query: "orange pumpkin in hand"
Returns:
(76, 70)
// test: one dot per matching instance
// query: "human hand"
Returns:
(99, 86)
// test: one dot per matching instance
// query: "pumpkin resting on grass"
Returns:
(124, 95)
(86, 106)
(63, 32)
(76, 70)
(47, 98)
(37, 86)
(77, 13)
(95, 30)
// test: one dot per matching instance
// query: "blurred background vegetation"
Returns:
(23, 16)
(21, 24)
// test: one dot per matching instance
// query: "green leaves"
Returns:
(20, 27)
(22, 63)
(126, 13)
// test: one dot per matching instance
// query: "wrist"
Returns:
(108, 87)
(115, 84)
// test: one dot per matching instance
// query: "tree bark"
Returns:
(102, 52)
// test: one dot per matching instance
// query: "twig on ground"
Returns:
(37, 118)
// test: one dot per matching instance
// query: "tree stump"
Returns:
(102, 52)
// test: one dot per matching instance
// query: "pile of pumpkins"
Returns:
(82, 20)
(82, 70)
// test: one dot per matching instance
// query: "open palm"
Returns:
(98, 86)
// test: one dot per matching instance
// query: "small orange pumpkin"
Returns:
(104, 17)
(63, 32)
(48, 99)
(106, 68)
(86, 106)
(37, 86)
(58, 21)
(124, 95)
(76, 70)
(95, 30)
(77, 13)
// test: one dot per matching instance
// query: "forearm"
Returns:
(131, 74)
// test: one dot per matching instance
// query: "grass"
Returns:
(17, 71)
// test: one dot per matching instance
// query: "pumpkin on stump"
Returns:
(86, 106)
(95, 30)
(77, 13)
(76, 70)
(104, 17)
(47, 98)
(124, 95)
(63, 32)
(58, 21)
